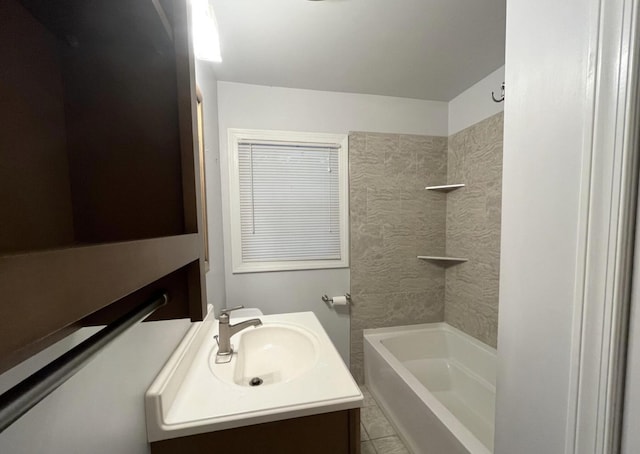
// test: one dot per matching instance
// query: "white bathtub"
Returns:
(436, 384)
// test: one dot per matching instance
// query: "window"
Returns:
(289, 200)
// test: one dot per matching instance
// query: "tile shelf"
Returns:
(445, 187)
(443, 260)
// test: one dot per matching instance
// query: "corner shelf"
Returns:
(445, 187)
(443, 260)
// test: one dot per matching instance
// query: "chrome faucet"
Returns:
(225, 331)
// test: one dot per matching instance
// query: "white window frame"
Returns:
(236, 136)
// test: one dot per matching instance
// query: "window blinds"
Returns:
(289, 201)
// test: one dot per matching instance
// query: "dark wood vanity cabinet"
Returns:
(328, 433)
(99, 195)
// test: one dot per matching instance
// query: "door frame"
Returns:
(606, 233)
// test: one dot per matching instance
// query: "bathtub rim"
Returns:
(375, 336)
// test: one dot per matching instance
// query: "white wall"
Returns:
(546, 119)
(260, 107)
(100, 410)
(257, 106)
(207, 82)
(475, 103)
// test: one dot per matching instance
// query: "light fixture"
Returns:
(206, 41)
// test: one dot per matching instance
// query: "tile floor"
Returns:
(377, 435)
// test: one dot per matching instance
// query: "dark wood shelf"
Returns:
(101, 203)
(140, 23)
(87, 279)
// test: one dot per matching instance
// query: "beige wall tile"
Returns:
(393, 220)
(473, 229)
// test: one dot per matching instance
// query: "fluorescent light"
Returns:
(206, 41)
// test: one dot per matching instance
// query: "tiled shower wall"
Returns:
(473, 229)
(393, 219)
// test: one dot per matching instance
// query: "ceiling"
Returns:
(423, 49)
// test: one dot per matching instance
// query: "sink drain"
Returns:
(256, 381)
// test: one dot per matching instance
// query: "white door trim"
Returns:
(631, 419)
(605, 234)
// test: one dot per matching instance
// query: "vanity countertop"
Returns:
(193, 395)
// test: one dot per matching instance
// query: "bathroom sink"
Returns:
(273, 354)
(268, 354)
(301, 371)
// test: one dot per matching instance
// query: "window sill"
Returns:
(265, 267)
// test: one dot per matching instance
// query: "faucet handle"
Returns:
(226, 311)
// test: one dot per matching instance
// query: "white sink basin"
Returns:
(274, 354)
(302, 374)
(268, 354)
